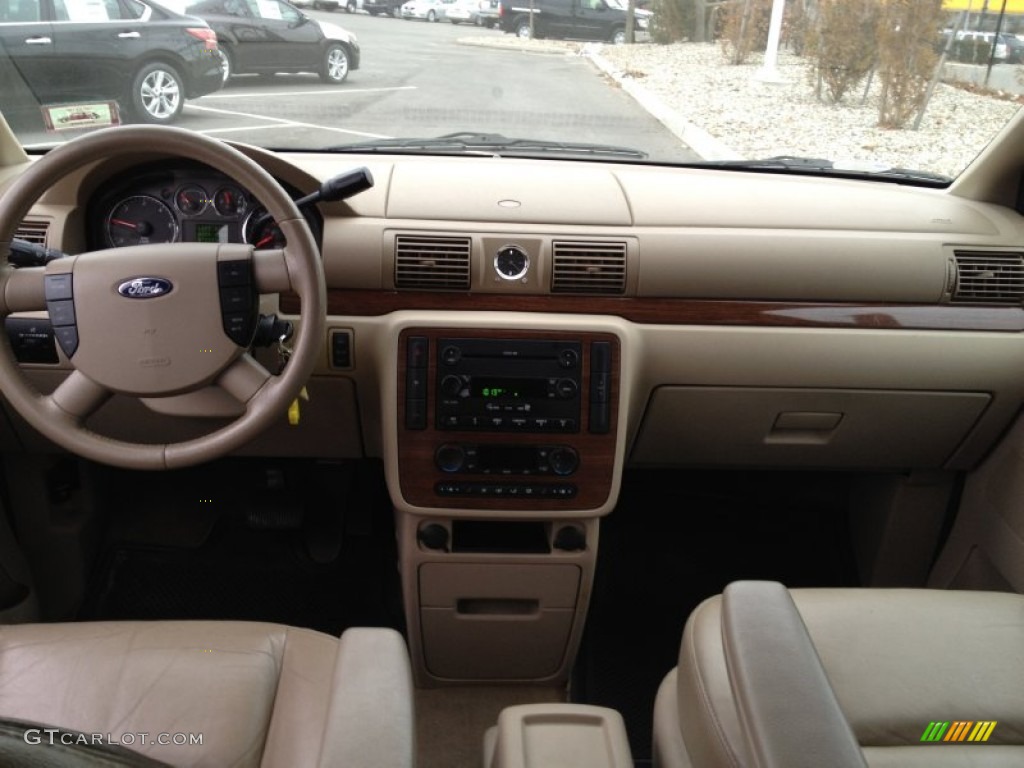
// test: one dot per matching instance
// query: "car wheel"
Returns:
(335, 65)
(397, 13)
(431, 16)
(350, 7)
(619, 36)
(453, 21)
(226, 67)
(158, 94)
(523, 29)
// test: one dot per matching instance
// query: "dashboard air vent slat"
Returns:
(989, 277)
(588, 267)
(32, 231)
(425, 262)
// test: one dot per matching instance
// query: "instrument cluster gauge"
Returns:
(230, 201)
(261, 231)
(141, 220)
(511, 263)
(191, 200)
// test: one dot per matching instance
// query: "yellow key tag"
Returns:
(293, 409)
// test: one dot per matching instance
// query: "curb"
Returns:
(697, 139)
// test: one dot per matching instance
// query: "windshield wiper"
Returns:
(491, 144)
(814, 165)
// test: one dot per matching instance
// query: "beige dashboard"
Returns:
(758, 320)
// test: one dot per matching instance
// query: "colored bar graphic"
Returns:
(934, 731)
(959, 730)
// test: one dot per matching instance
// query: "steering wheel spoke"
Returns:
(79, 396)
(22, 290)
(244, 378)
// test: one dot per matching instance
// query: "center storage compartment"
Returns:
(496, 621)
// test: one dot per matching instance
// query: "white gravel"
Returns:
(756, 120)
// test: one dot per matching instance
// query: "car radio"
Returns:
(508, 385)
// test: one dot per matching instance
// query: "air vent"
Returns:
(432, 263)
(32, 231)
(989, 277)
(588, 267)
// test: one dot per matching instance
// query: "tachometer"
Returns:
(139, 220)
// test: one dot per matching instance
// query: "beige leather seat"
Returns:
(844, 677)
(258, 694)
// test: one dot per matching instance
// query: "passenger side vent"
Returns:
(989, 277)
(32, 231)
(588, 267)
(432, 263)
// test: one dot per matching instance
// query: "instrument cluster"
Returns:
(196, 204)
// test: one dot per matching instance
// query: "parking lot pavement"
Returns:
(404, 88)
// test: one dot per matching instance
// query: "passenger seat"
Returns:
(810, 678)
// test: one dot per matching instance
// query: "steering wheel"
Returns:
(159, 321)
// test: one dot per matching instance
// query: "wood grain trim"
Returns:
(666, 311)
(416, 448)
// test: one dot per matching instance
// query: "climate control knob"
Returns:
(563, 460)
(450, 457)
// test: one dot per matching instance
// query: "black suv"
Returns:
(144, 57)
(570, 19)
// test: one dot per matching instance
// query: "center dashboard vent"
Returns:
(426, 262)
(588, 267)
(989, 277)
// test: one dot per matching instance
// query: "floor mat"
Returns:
(677, 538)
(301, 544)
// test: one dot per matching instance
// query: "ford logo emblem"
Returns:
(145, 287)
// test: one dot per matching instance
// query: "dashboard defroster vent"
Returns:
(588, 267)
(32, 231)
(989, 277)
(425, 262)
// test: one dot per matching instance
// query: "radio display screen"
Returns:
(490, 388)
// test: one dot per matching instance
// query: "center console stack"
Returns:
(506, 459)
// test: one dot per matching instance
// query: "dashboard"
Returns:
(190, 203)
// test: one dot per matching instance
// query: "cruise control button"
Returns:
(238, 327)
(61, 312)
(236, 299)
(67, 337)
(56, 287)
(235, 272)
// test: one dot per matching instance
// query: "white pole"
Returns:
(769, 73)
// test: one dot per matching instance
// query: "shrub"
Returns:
(673, 20)
(842, 45)
(972, 51)
(906, 57)
(744, 28)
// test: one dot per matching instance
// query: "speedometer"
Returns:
(139, 220)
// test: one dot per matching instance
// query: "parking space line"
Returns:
(322, 92)
(240, 128)
(282, 121)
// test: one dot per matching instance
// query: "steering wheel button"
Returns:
(61, 312)
(236, 299)
(234, 272)
(56, 287)
(67, 337)
(239, 327)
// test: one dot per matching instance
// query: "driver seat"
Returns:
(255, 694)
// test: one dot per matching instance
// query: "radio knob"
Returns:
(451, 385)
(563, 460)
(566, 388)
(450, 457)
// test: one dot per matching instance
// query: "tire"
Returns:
(226, 65)
(158, 94)
(522, 28)
(334, 68)
(431, 16)
(350, 6)
(453, 21)
(618, 36)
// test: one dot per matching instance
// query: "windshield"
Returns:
(867, 87)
